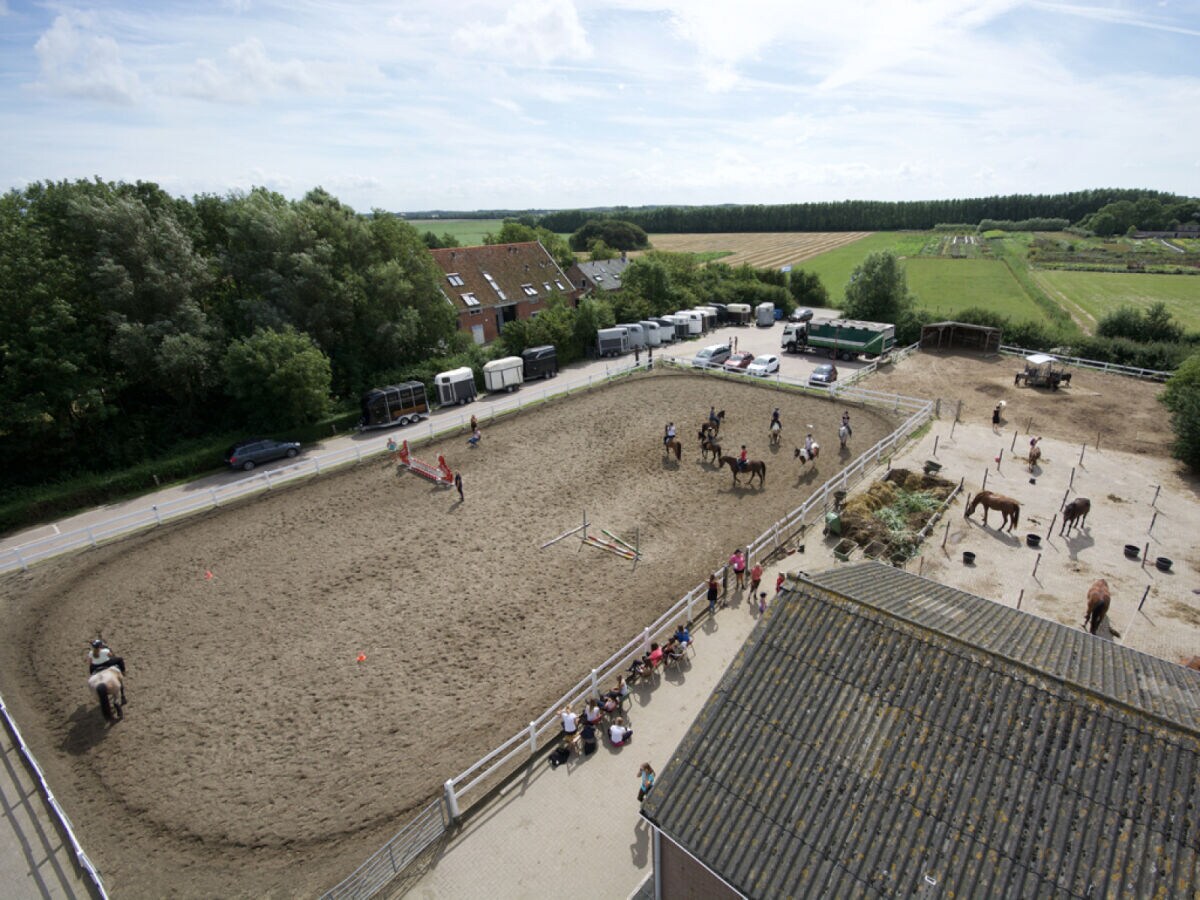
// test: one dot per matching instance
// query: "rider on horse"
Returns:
(846, 422)
(712, 416)
(808, 445)
(775, 419)
(101, 657)
(669, 433)
(742, 460)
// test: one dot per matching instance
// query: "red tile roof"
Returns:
(499, 274)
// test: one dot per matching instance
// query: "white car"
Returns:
(764, 365)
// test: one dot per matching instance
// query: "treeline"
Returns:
(859, 215)
(1041, 224)
(1147, 213)
(132, 321)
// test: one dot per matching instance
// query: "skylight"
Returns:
(455, 279)
(470, 299)
(495, 287)
(529, 289)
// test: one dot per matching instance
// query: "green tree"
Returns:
(807, 289)
(598, 251)
(878, 290)
(278, 378)
(614, 232)
(1182, 398)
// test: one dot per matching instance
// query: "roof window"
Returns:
(455, 279)
(495, 287)
(529, 289)
(470, 299)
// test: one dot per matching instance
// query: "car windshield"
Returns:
(823, 370)
(761, 360)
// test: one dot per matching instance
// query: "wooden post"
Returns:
(1020, 597)
(957, 413)
(1097, 440)
(1150, 530)
(1157, 488)
(1145, 594)
(1066, 494)
(1051, 531)
(935, 443)
(1028, 424)
(999, 457)
(1036, 563)
(1013, 446)
(1081, 450)
(1145, 554)
(985, 474)
(946, 534)
(952, 424)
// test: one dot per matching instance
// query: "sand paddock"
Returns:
(258, 757)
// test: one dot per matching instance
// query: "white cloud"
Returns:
(78, 61)
(533, 31)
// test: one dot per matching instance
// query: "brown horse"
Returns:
(1009, 509)
(806, 456)
(1075, 514)
(1098, 599)
(707, 446)
(673, 446)
(109, 686)
(1191, 663)
(1035, 453)
(753, 466)
(711, 427)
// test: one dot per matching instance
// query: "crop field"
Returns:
(469, 232)
(769, 250)
(834, 267)
(1099, 293)
(948, 286)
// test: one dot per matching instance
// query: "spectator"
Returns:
(655, 656)
(646, 772)
(714, 589)
(683, 634)
(593, 713)
(672, 650)
(779, 582)
(755, 578)
(475, 438)
(589, 739)
(738, 563)
(619, 733)
(613, 699)
(474, 424)
(570, 722)
(458, 485)
(762, 602)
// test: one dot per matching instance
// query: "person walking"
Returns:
(738, 563)
(458, 486)
(756, 575)
(646, 773)
(714, 589)
(762, 603)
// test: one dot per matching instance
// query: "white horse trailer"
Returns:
(455, 387)
(505, 374)
(666, 328)
(739, 313)
(653, 338)
(637, 335)
(765, 314)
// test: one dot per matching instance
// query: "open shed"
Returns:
(960, 336)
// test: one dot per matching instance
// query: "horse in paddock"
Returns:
(711, 427)
(775, 435)
(1035, 454)
(1009, 509)
(1191, 663)
(843, 435)
(109, 686)
(807, 456)
(709, 445)
(753, 466)
(673, 446)
(1075, 514)
(1098, 599)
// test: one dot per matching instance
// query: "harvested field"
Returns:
(258, 757)
(762, 250)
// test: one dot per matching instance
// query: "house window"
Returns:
(529, 289)
(558, 284)
(470, 299)
(455, 279)
(475, 312)
(534, 314)
(495, 287)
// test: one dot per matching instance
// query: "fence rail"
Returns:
(523, 745)
(1115, 368)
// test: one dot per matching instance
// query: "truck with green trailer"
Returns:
(840, 338)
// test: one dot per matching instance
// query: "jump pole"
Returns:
(1020, 597)
(1082, 449)
(1036, 563)
(625, 544)
(1066, 494)
(1153, 518)
(1145, 554)
(1071, 483)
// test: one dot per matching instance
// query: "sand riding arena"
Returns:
(259, 755)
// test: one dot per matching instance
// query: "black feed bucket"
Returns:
(1132, 551)
(1033, 540)
(968, 558)
(1163, 564)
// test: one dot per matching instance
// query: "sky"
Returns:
(552, 104)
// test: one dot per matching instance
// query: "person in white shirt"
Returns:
(570, 721)
(101, 657)
(618, 733)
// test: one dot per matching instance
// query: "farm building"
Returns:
(880, 733)
(960, 336)
(497, 283)
(601, 275)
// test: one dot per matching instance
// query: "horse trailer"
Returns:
(612, 341)
(712, 316)
(540, 362)
(637, 335)
(739, 313)
(694, 319)
(765, 314)
(653, 338)
(396, 404)
(666, 329)
(722, 312)
(503, 374)
(455, 387)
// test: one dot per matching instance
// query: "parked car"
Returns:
(712, 356)
(800, 315)
(246, 455)
(737, 362)
(823, 375)
(767, 364)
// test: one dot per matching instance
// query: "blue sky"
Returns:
(471, 104)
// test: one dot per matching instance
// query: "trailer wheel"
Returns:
(415, 419)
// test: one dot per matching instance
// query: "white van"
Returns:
(653, 338)
(711, 357)
(505, 374)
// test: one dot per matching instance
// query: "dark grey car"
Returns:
(248, 454)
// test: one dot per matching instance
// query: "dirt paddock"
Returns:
(259, 757)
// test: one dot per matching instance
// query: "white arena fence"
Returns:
(21, 557)
(1115, 368)
(90, 873)
(523, 746)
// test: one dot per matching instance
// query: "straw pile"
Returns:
(891, 512)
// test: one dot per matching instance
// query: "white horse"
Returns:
(843, 434)
(109, 686)
(776, 433)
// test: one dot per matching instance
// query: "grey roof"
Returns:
(883, 734)
(605, 274)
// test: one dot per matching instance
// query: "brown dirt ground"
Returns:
(258, 757)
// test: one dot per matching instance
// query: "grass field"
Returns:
(947, 286)
(766, 250)
(1099, 293)
(469, 232)
(835, 266)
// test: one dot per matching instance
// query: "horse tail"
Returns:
(1016, 514)
(105, 705)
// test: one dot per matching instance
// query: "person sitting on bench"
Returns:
(619, 733)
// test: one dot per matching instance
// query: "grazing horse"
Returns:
(1009, 509)
(1035, 453)
(673, 445)
(109, 686)
(843, 434)
(776, 434)
(753, 466)
(1098, 599)
(805, 456)
(1075, 514)
(707, 446)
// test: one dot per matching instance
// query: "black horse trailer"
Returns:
(397, 404)
(540, 362)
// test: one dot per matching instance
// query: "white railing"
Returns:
(87, 869)
(523, 745)
(1115, 368)
(897, 355)
(24, 555)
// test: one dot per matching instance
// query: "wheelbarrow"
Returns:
(833, 523)
(931, 467)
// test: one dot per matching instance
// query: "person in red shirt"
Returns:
(779, 583)
(756, 575)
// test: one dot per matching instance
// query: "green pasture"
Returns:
(1099, 293)
(468, 232)
(834, 267)
(948, 286)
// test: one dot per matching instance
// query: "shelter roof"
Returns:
(1040, 359)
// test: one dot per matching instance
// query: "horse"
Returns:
(109, 685)
(1009, 509)
(1075, 514)
(843, 434)
(805, 456)
(775, 434)
(673, 445)
(707, 446)
(753, 466)
(714, 427)
(1098, 599)
(1035, 453)
(1192, 662)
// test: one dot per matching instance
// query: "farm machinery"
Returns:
(1041, 371)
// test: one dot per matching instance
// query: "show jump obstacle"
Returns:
(614, 545)
(439, 474)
